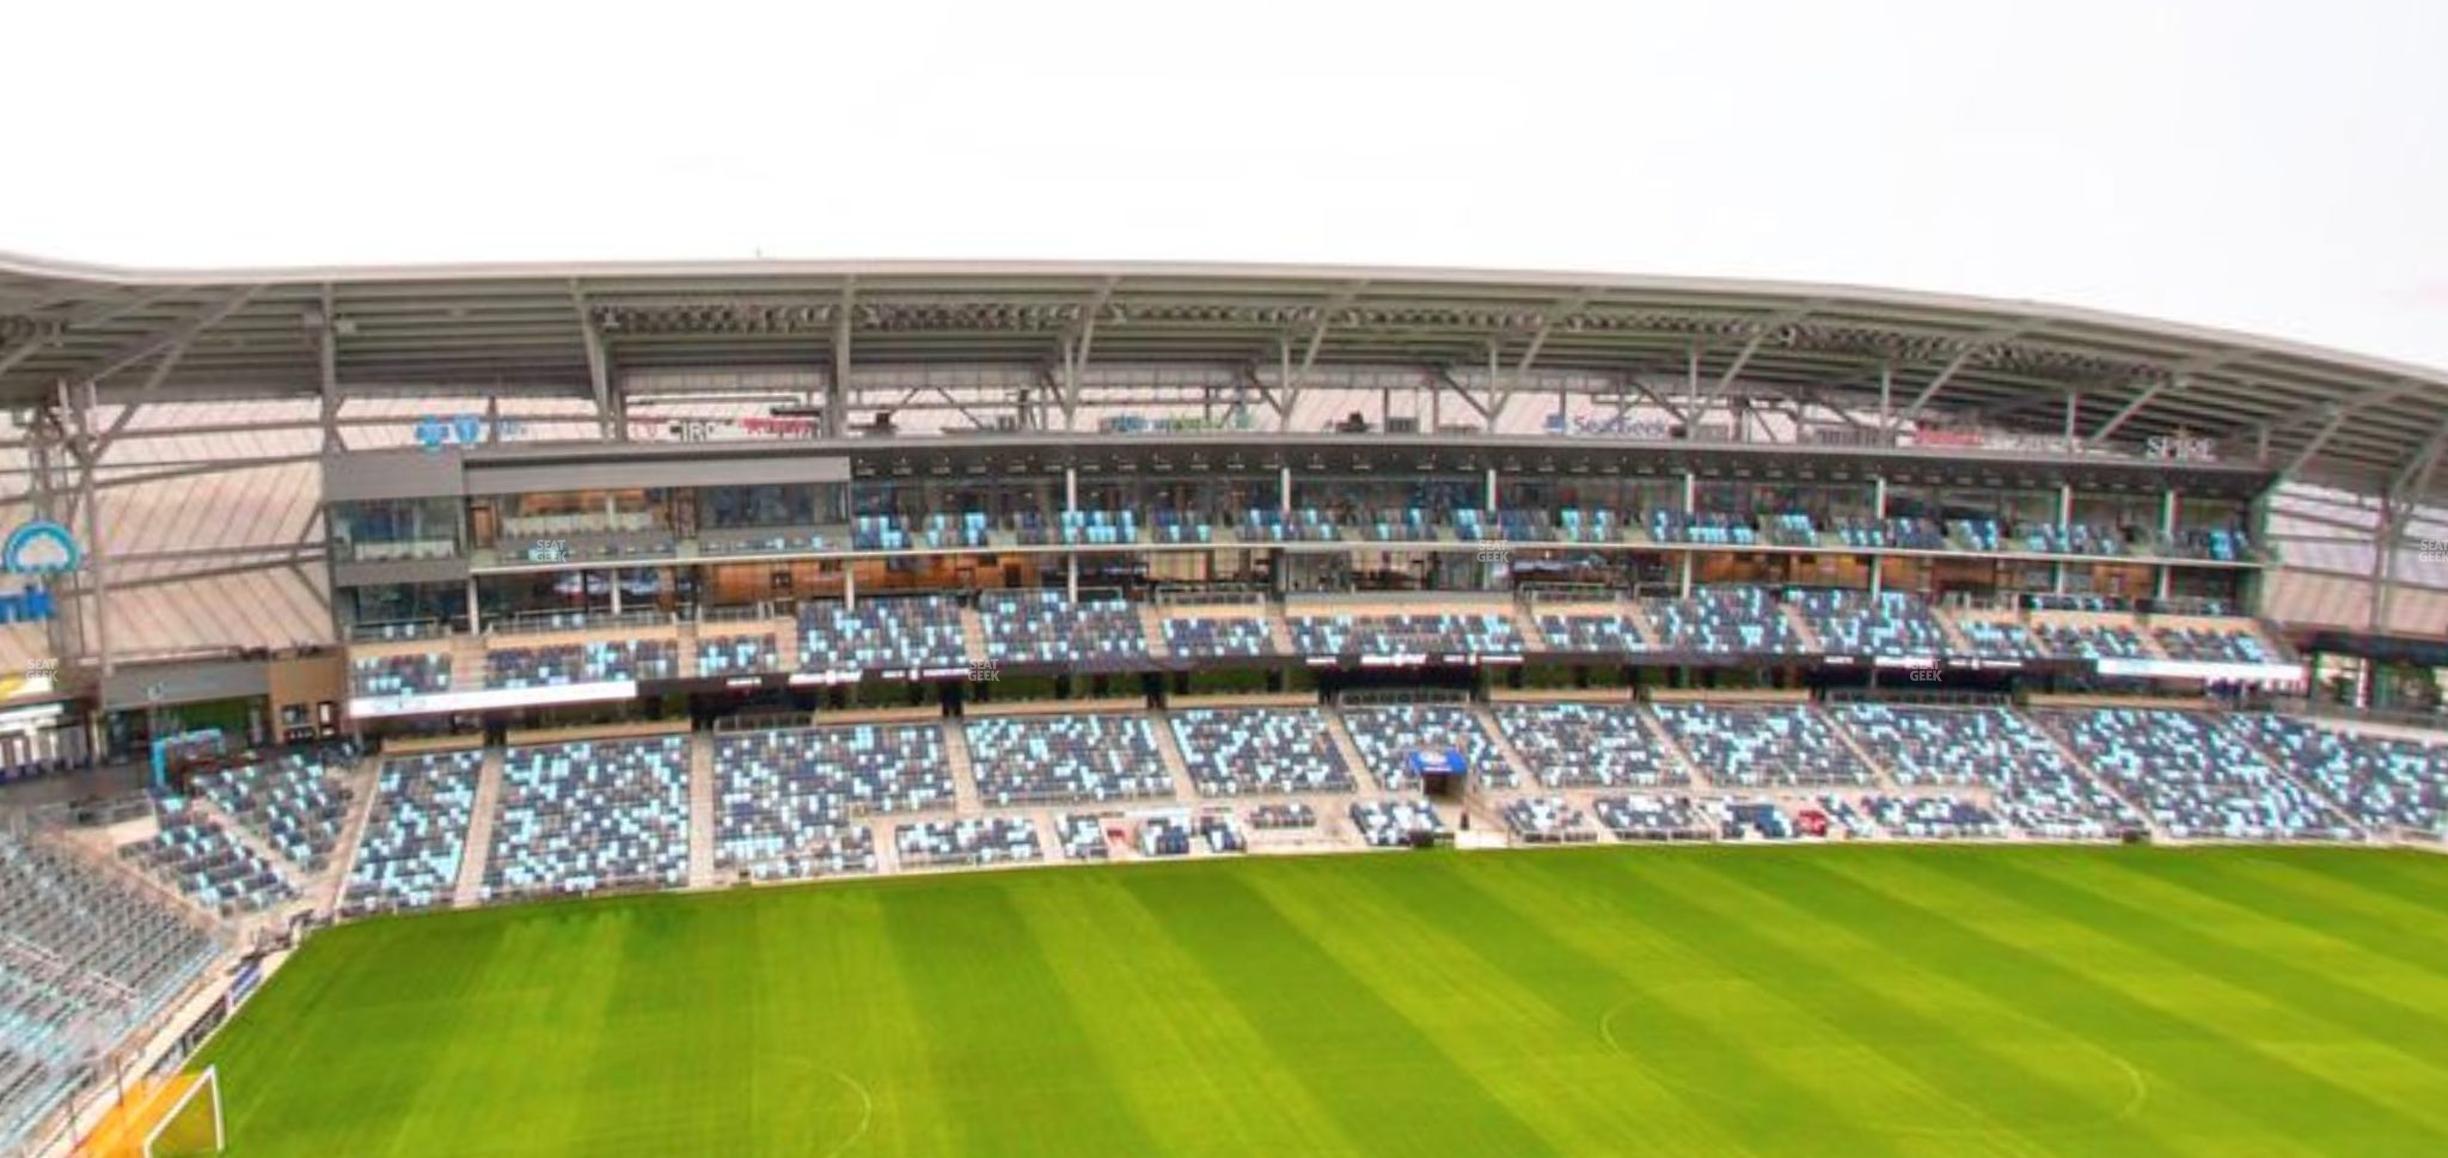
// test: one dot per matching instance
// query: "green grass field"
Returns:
(1938, 1001)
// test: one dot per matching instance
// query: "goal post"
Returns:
(192, 1123)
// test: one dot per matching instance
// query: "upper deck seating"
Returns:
(1998, 639)
(594, 661)
(1489, 633)
(880, 634)
(1182, 527)
(1977, 534)
(1706, 528)
(2383, 782)
(1573, 745)
(1915, 534)
(1791, 529)
(418, 674)
(932, 533)
(591, 814)
(1248, 751)
(416, 836)
(1724, 621)
(1599, 632)
(1218, 636)
(2193, 778)
(1894, 623)
(2037, 790)
(2070, 639)
(760, 541)
(1763, 744)
(744, 654)
(1067, 758)
(2069, 539)
(1307, 525)
(2222, 544)
(291, 803)
(1387, 735)
(2237, 644)
(1091, 528)
(1047, 627)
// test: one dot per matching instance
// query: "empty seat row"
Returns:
(1251, 751)
(416, 836)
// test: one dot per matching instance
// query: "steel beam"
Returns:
(2131, 408)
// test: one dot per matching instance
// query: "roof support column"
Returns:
(97, 556)
(837, 384)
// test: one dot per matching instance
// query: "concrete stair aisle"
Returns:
(1801, 626)
(1844, 735)
(1955, 641)
(786, 644)
(965, 800)
(973, 635)
(1525, 623)
(1362, 771)
(1665, 737)
(702, 811)
(1524, 774)
(1169, 750)
(2082, 766)
(479, 847)
(247, 838)
(1279, 632)
(366, 783)
(470, 670)
(1151, 624)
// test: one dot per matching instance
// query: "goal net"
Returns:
(191, 1119)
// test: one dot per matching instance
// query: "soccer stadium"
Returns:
(943, 708)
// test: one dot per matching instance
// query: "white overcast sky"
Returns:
(2277, 167)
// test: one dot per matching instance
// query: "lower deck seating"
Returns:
(1724, 621)
(1546, 820)
(1392, 823)
(1049, 627)
(2037, 790)
(1222, 833)
(1998, 639)
(1386, 635)
(779, 794)
(1290, 814)
(1755, 820)
(1388, 735)
(1642, 816)
(1252, 751)
(1891, 623)
(1761, 745)
(1574, 745)
(882, 633)
(293, 804)
(847, 850)
(91, 958)
(409, 857)
(591, 815)
(2383, 782)
(2078, 639)
(1835, 816)
(1063, 759)
(1081, 837)
(1164, 836)
(1944, 816)
(2193, 778)
(976, 841)
(198, 857)
(1591, 633)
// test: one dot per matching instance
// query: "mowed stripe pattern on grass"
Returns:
(1859, 1000)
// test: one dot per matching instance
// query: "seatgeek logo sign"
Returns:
(34, 552)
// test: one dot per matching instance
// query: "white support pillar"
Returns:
(614, 587)
(2065, 515)
(1283, 493)
(1691, 492)
(475, 617)
(1070, 489)
(1071, 577)
(1686, 585)
(1492, 504)
(849, 587)
(1878, 496)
